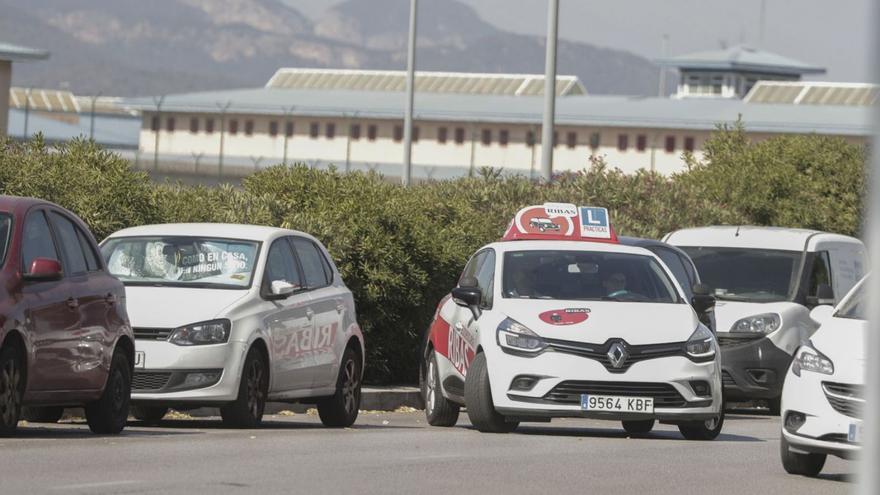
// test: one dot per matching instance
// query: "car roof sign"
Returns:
(561, 222)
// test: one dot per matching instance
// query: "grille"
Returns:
(152, 333)
(844, 398)
(149, 380)
(730, 340)
(727, 380)
(637, 353)
(569, 392)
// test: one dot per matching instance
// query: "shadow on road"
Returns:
(603, 433)
(217, 424)
(80, 430)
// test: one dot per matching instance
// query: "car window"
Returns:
(486, 278)
(473, 266)
(820, 273)
(281, 265)
(37, 241)
(5, 235)
(670, 259)
(312, 262)
(689, 268)
(88, 251)
(75, 261)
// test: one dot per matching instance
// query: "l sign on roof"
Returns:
(594, 223)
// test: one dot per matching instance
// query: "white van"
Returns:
(767, 280)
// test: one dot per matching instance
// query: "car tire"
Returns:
(800, 464)
(42, 414)
(439, 410)
(247, 409)
(641, 427)
(12, 386)
(107, 415)
(341, 409)
(478, 400)
(149, 414)
(702, 430)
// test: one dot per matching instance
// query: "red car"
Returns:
(65, 339)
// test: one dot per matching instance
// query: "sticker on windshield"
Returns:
(564, 317)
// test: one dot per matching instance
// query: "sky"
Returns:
(831, 34)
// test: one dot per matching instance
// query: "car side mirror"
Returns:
(703, 299)
(280, 290)
(468, 295)
(821, 314)
(43, 270)
(824, 296)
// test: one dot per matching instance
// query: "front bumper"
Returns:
(752, 369)
(563, 377)
(166, 367)
(825, 429)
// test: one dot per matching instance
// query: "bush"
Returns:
(400, 250)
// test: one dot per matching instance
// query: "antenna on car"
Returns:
(737, 230)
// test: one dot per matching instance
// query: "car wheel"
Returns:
(439, 410)
(247, 410)
(638, 427)
(341, 409)
(478, 400)
(703, 430)
(801, 464)
(49, 414)
(108, 414)
(149, 414)
(12, 383)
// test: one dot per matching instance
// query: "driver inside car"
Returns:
(615, 284)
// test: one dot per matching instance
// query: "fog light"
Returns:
(196, 380)
(794, 420)
(524, 383)
(701, 388)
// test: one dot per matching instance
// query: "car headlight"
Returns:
(701, 346)
(203, 333)
(515, 336)
(766, 323)
(808, 358)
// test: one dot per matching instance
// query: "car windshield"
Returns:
(586, 276)
(855, 308)
(182, 261)
(5, 235)
(753, 275)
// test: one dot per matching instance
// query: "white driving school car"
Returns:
(823, 397)
(233, 316)
(567, 322)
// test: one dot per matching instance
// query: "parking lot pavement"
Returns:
(397, 452)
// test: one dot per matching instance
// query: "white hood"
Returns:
(637, 323)
(171, 307)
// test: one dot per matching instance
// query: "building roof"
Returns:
(426, 82)
(17, 53)
(598, 111)
(742, 58)
(116, 132)
(813, 93)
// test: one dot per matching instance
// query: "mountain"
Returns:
(133, 47)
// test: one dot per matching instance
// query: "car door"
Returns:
(94, 296)
(52, 315)
(464, 334)
(328, 305)
(289, 322)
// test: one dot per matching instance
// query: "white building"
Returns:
(354, 119)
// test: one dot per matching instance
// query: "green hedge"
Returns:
(401, 249)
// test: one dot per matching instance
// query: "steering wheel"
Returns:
(619, 293)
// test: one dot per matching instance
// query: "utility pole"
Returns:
(288, 114)
(158, 102)
(549, 92)
(92, 122)
(223, 108)
(410, 94)
(27, 111)
(348, 142)
(761, 23)
(664, 49)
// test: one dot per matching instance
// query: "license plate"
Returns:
(140, 359)
(617, 404)
(855, 433)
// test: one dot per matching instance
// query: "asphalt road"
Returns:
(397, 453)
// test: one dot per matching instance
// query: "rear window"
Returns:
(5, 235)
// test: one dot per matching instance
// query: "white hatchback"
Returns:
(823, 397)
(233, 316)
(566, 322)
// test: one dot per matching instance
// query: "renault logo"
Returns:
(617, 355)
